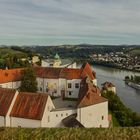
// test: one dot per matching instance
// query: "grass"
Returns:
(114, 120)
(117, 133)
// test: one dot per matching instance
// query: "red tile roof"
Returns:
(6, 97)
(66, 73)
(29, 105)
(50, 73)
(10, 75)
(89, 94)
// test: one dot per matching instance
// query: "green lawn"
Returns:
(117, 133)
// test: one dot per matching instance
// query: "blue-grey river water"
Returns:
(129, 96)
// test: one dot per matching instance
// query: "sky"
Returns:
(57, 22)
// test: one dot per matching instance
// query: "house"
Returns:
(7, 99)
(10, 78)
(91, 105)
(108, 86)
(55, 81)
(63, 81)
(31, 110)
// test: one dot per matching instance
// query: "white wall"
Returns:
(46, 116)
(91, 116)
(57, 116)
(2, 121)
(27, 123)
(74, 91)
(11, 85)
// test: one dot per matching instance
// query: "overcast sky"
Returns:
(54, 22)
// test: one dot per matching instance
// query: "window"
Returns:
(76, 85)
(66, 114)
(56, 115)
(69, 92)
(69, 85)
(61, 115)
(102, 117)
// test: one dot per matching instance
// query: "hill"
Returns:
(117, 133)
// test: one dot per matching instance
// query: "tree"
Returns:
(28, 81)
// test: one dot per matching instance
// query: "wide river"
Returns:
(129, 96)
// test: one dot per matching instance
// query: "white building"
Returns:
(32, 110)
(57, 62)
(39, 110)
(54, 81)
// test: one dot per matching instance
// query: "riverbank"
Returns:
(117, 133)
(111, 65)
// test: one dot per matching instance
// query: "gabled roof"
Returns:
(6, 97)
(87, 71)
(48, 72)
(66, 73)
(89, 94)
(10, 75)
(29, 105)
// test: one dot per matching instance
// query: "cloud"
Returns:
(72, 21)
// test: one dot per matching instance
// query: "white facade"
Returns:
(2, 121)
(94, 115)
(54, 87)
(11, 85)
(56, 116)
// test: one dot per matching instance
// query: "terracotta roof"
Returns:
(10, 75)
(89, 94)
(6, 97)
(66, 73)
(87, 71)
(48, 72)
(29, 105)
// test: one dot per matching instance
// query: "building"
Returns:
(7, 99)
(108, 86)
(57, 62)
(10, 78)
(31, 110)
(54, 81)
(24, 109)
(34, 110)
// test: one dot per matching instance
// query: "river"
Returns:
(129, 96)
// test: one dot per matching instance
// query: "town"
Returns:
(65, 97)
(117, 60)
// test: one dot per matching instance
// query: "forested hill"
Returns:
(15, 57)
(83, 50)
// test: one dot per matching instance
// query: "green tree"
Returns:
(28, 81)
